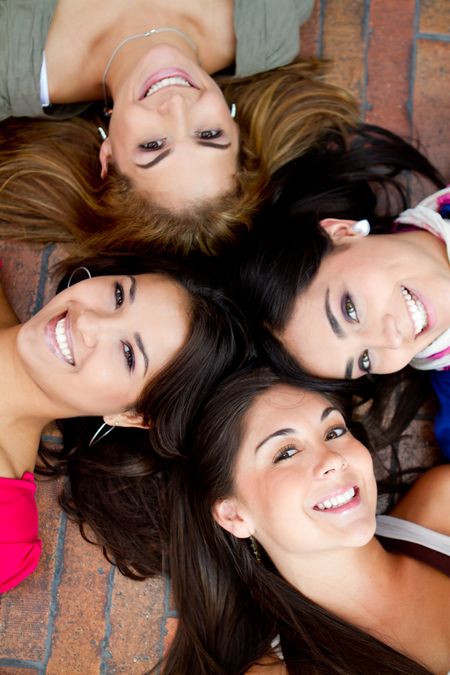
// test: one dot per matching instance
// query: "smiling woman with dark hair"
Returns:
(278, 561)
(135, 345)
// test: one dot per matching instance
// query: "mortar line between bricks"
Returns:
(105, 653)
(412, 69)
(438, 37)
(19, 663)
(42, 278)
(321, 24)
(165, 616)
(59, 563)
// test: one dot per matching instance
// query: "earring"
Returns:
(233, 110)
(102, 133)
(255, 549)
(98, 436)
(361, 227)
(77, 269)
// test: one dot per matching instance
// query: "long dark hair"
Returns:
(231, 606)
(113, 486)
(368, 177)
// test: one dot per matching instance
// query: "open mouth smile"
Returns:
(168, 78)
(62, 340)
(416, 311)
(339, 502)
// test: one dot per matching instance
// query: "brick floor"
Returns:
(76, 614)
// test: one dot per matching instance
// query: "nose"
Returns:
(90, 326)
(176, 105)
(390, 335)
(329, 462)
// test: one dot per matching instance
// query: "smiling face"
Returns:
(302, 484)
(93, 347)
(374, 304)
(171, 131)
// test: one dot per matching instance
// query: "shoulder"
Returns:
(428, 501)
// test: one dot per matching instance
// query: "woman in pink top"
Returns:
(118, 344)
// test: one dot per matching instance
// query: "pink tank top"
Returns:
(20, 547)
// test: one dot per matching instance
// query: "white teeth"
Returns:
(416, 311)
(167, 82)
(338, 500)
(62, 342)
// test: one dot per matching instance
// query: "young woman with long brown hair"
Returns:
(133, 345)
(278, 562)
(175, 166)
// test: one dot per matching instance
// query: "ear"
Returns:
(129, 418)
(226, 514)
(340, 231)
(105, 156)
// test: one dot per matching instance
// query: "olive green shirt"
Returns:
(267, 36)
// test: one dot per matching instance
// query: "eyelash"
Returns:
(283, 453)
(348, 309)
(153, 146)
(209, 134)
(119, 294)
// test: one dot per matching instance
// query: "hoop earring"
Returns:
(98, 436)
(102, 133)
(233, 110)
(77, 269)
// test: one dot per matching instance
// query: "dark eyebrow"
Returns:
(336, 328)
(280, 432)
(349, 369)
(155, 161)
(328, 412)
(132, 287)
(140, 344)
(210, 144)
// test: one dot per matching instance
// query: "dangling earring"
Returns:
(361, 227)
(77, 269)
(102, 133)
(233, 110)
(98, 436)
(255, 549)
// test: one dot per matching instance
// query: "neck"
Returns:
(346, 582)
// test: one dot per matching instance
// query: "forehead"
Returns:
(280, 406)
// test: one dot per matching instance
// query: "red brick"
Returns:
(310, 34)
(80, 621)
(343, 40)
(432, 101)
(389, 64)
(434, 16)
(137, 612)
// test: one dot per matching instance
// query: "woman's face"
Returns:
(374, 304)
(302, 483)
(171, 131)
(93, 347)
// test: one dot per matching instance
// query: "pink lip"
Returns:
(51, 338)
(161, 75)
(353, 503)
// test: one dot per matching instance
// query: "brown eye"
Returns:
(364, 361)
(350, 309)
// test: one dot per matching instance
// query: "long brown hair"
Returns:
(111, 488)
(51, 189)
(232, 606)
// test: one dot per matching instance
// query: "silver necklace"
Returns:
(148, 33)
